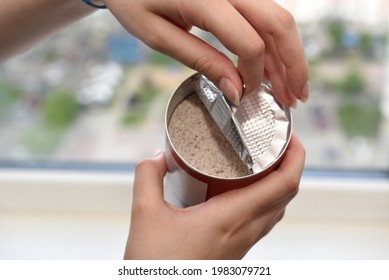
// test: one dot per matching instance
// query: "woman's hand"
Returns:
(261, 33)
(224, 227)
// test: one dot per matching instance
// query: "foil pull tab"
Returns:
(259, 129)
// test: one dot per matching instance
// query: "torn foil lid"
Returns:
(259, 129)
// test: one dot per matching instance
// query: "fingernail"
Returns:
(228, 88)
(292, 102)
(305, 92)
(157, 153)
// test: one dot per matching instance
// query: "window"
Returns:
(72, 99)
(93, 93)
(345, 124)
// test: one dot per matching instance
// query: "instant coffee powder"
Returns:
(196, 137)
(213, 147)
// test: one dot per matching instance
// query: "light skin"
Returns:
(224, 227)
(267, 43)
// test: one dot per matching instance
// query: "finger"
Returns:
(269, 17)
(251, 71)
(293, 162)
(148, 181)
(279, 85)
(275, 71)
(172, 40)
(282, 184)
(240, 37)
(286, 178)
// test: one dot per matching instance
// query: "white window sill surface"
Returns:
(86, 215)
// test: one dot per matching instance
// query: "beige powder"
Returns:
(199, 141)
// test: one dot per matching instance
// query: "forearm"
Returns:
(24, 22)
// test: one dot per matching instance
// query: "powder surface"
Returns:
(199, 141)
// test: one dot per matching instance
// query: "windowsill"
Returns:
(85, 215)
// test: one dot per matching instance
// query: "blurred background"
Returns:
(79, 109)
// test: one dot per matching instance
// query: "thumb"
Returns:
(148, 182)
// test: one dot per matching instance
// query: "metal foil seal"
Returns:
(259, 129)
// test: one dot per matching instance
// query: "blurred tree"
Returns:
(366, 44)
(352, 83)
(50, 56)
(9, 93)
(158, 58)
(336, 30)
(360, 119)
(42, 140)
(140, 102)
(60, 108)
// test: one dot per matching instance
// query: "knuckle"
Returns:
(142, 165)
(286, 18)
(140, 208)
(143, 169)
(299, 71)
(155, 42)
(254, 48)
(206, 65)
(291, 182)
(281, 216)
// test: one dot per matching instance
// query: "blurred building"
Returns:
(124, 48)
(362, 11)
